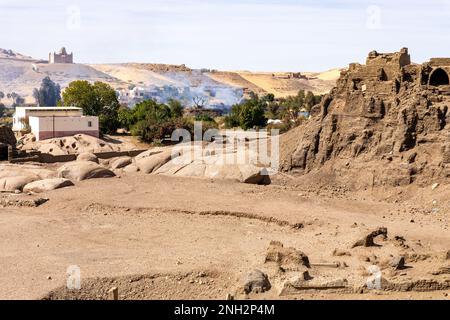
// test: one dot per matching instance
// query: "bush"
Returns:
(247, 115)
(152, 130)
(157, 131)
(204, 117)
(282, 127)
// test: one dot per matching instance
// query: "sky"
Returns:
(256, 35)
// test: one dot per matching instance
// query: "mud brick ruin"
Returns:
(385, 123)
(7, 139)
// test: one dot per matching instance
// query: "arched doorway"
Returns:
(439, 78)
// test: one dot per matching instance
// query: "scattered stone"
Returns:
(367, 241)
(286, 258)
(113, 293)
(434, 186)
(341, 253)
(22, 202)
(412, 157)
(401, 241)
(257, 282)
(398, 263)
(298, 284)
(447, 255)
(443, 270)
(327, 265)
(305, 276)
(229, 297)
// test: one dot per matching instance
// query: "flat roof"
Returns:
(49, 108)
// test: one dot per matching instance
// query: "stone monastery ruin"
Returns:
(385, 122)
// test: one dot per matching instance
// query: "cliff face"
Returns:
(385, 123)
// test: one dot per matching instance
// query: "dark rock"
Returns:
(368, 240)
(256, 282)
(398, 263)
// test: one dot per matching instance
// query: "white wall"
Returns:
(49, 127)
(24, 112)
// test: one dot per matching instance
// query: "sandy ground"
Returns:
(159, 237)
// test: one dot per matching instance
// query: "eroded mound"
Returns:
(385, 123)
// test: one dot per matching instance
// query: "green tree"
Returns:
(248, 115)
(301, 98)
(17, 100)
(310, 100)
(176, 108)
(252, 115)
(48, 94)
(138, 118)
(98, 99)
(232, 120)
(81, 94)
(124, 116)
(2, 110)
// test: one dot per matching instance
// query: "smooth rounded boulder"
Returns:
(47, 185)
(87, 157)
(83, 170)
(131, 168)
(153, 162)
(120, 163)
(11, 184)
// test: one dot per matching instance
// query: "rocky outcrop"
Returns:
(385, 123)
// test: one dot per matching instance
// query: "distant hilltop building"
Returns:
(61, 57)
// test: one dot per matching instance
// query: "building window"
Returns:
(90, 124)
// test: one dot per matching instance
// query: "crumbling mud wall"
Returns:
(385, 123)
(7, 138)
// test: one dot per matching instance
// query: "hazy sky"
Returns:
(303, 35)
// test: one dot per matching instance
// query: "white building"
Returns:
(54, 122)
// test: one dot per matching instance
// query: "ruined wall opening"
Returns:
(3, 152)
(382, 76)
(439, 78)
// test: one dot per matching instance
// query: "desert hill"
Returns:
(10, 54)
(21, 74)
